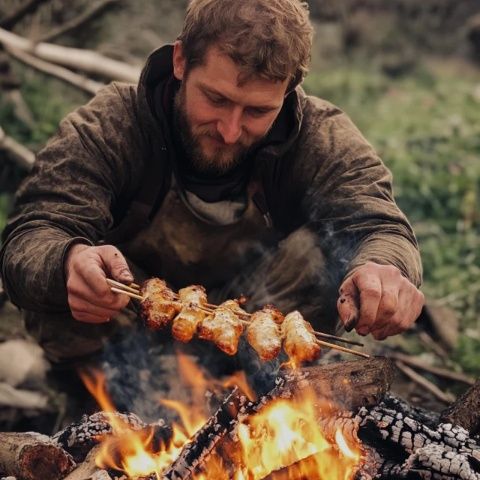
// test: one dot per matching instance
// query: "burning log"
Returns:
(208, 437)
(79, 438)
(413, 449)
(31, 456)
(350, 385)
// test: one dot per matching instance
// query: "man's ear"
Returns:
(179, 60)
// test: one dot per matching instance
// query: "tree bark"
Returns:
(31, 456)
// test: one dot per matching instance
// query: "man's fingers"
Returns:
(410, 303)
(347, 304)
(370, 289)
(116, 264)
(89, 318)
(79, 305)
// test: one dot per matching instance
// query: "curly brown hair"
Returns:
(267, 38)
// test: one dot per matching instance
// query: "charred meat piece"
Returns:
(159, 306)
(299, 341)
(264, 332)
(186, 322)
(223, 327)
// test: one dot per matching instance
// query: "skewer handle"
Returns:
(126, 292)
(338, 339)
(342, 349)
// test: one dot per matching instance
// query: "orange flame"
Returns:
(287, 433)
(282, 441)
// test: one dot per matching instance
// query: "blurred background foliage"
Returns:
(407, 72)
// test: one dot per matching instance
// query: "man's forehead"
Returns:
(221, 74)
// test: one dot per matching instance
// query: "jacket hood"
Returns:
(285, 130)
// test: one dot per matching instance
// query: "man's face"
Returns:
(219, 119)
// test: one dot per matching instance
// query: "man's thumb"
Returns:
(117, 265)
(348, 304)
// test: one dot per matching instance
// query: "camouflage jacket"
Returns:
(86, 179)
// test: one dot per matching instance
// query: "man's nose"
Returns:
(230, 126)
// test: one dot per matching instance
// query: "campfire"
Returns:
(334, 421)
(324, 422)
(275, 435)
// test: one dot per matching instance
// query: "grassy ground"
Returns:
(427, 129)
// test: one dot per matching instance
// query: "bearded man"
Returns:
(217, 169)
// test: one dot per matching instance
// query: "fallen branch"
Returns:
(20, 154)
(79, 81)
(422, 381)
(76, 58)
(28, 7)
(440, 372)
(31, 456)
(94, 11)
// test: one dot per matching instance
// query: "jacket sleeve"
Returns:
(67, 198)
(350, 202)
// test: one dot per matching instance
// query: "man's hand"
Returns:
(378, 299)
(89, 296)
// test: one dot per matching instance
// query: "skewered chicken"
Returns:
(223, 327)
(185, 323)
(159, 306)
(300, 343)
(264, 332)
(189, 313)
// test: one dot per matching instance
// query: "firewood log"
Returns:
(465, 411)
(31, 456)
(349, 385)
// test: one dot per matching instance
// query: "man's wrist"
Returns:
(74, 247)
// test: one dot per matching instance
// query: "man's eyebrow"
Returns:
(213, 91)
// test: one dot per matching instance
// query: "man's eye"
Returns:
(218, 101)
(257, 112)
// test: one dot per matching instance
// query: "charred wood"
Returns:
(79, 438)
(350, 385)
(208, 437)
(412, 449)
(465, 411)
(31, 456)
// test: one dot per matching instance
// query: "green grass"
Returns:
(426, 127)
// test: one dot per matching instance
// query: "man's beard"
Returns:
(223, 159)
